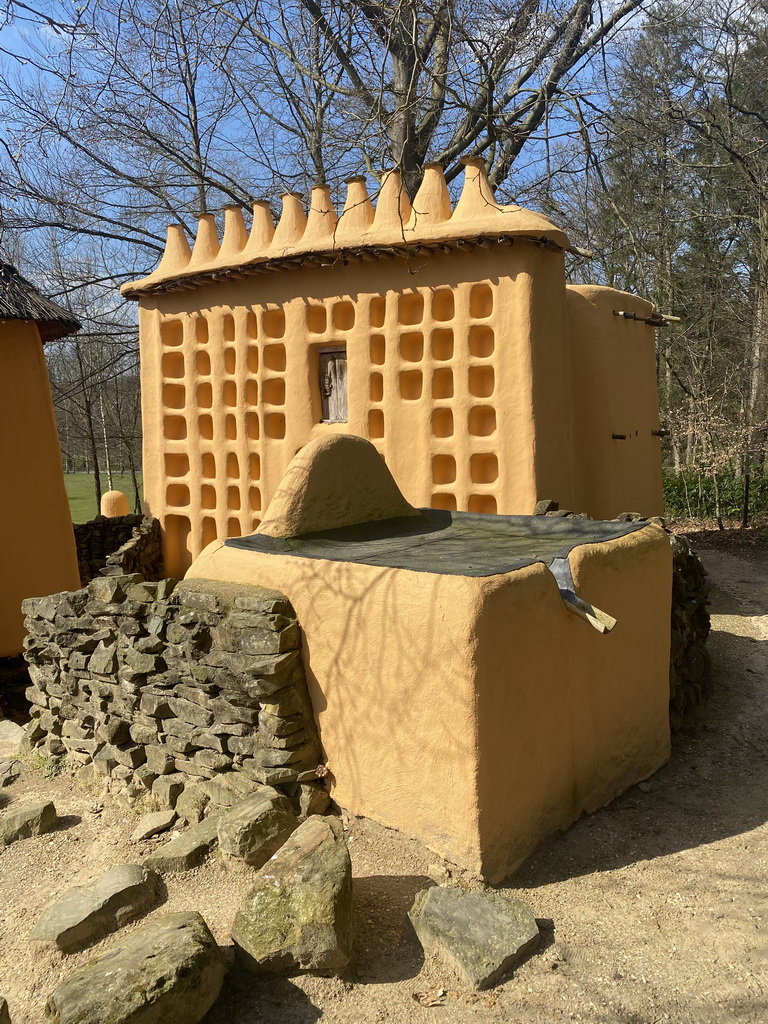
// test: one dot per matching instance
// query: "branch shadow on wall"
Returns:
(714, 786)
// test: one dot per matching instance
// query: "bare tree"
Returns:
(672, 204)
(721, 103)
(121, 116)
(129, 114)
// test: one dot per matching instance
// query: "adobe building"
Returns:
(446, 337)
(359, 413)
(478, 681)
(37, 543)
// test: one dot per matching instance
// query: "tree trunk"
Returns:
(90, 426)
(757, 404)
(105, 440)
(745, 500)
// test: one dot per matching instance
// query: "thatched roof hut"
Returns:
(20, 300)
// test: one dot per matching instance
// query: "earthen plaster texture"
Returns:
(482, 380)
(478, 714)
(37, 545)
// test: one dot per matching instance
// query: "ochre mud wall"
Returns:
(37, 549)
(442, 335)
(480, 714)
(617, 465)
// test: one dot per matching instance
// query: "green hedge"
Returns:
(692, 494)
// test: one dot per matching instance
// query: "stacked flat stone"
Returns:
(690, 666)
(119, 545)
(146, 680)
(690, 670)
(142, 552)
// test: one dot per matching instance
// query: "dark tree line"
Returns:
(674, 202)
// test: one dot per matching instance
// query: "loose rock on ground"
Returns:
(186, 850)
(481, 934)
(23, 822)
(168, 971)
(9, 771)
(151, 824)
(299, 913)
(86, 913)
(256, 827)
(11, 736)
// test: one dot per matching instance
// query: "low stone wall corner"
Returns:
(145, 679)
(118, 546)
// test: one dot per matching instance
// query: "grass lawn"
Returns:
(82, 496)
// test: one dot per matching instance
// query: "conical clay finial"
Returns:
(432, 203)
(477, 198)
(322, 220)
(177, 252)
(293, 221)
(393, 210)
(357, 215)
(262, 230)
(207, 241)
(235, 234)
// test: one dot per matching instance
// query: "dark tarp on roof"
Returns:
(20, 300)
(445, 543)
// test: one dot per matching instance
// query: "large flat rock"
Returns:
(229, 788)
(86, 913)
(299, 912)
(169, 971)
(150, 824)
(478, 934)
(24, 822)
(257, 826)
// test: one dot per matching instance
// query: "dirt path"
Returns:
(655, 908)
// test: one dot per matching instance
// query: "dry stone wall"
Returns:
(690, 668)
(119, 545)
(155, 684)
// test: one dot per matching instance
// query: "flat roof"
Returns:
(445, 543)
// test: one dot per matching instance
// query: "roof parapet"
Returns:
(393, 207)
(432, 203)
(262, 231)
(322, 219)
(292, 223)
(177, 253)
(395, 222)
(477, 198)
(235, 234)
(357, 215)
(206, 247)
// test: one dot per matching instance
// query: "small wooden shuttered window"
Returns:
(333, 384)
